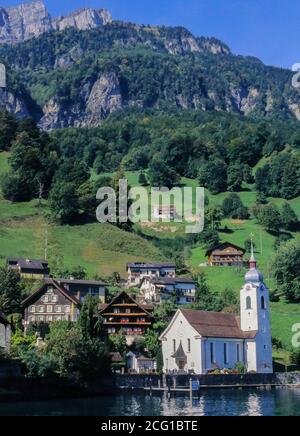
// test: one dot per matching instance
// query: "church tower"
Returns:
(255, 316)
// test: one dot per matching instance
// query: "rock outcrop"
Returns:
(23, 22)
(13, 104)
(97, 102)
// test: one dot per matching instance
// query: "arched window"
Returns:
(248, 303)
(263, 303)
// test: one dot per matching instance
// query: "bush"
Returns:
(295, 358)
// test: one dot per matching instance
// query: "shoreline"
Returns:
(20, 389)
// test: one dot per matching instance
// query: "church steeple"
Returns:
(253, 263)
(253, 275)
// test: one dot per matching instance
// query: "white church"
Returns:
(198, 342)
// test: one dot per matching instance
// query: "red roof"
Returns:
(217, 325)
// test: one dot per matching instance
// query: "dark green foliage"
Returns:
(8, 127)
(235, 177)
(233, 207)
(212, 175)
(205, 299)
(281, 239)
(286, 270)
(289, 218)
(89, 320)
(295, 358)
(63, 202)
(280, 177)
(160, 174)
(33, 162)
(270, 218)
(11, 288)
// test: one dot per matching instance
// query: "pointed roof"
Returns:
(103, 307)
(43, 289)
(179, 354)
(253, 275)
(213, 325)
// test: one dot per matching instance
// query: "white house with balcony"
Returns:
(198, 342)
(158, 290)
(137, 271)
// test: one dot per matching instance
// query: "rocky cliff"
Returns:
(23, 22)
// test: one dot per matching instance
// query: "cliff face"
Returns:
(23, 22)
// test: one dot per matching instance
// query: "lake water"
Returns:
(279, 402)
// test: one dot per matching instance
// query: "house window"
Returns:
(212, 353)
(238, 353)
(46, 299)
(54, 298)
(263, 303)
(189, 345)
(40, 318)
(248, 303)
(226, 354)
(174, 345)
(32, 319)
(32, 309)
(58, 309)
(49, 318)
(40, 309)
(49, 309)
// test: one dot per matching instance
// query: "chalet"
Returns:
(137, 363)
(124, 313)
(161, 289)
(226, 254)
(164, 212)
(29, 269)
(4, 333)
(51, 302)
(81, 288)
(138, 271)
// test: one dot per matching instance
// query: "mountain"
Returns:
(28, 20)
(76, 71)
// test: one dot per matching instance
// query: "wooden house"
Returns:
(29, 269)
(51, 302)
(124, 313)
(226, 254)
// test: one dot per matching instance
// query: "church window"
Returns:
(238, 353)
(226, 354)
(248, 303)
(189, 345)
(212, 353)
(263, 303)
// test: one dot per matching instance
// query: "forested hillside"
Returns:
(78, 78)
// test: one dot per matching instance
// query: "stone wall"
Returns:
(140, 381)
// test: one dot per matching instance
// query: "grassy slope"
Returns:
(103, 249)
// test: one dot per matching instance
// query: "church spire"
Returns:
(253, 263)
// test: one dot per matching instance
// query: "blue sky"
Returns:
(267, 29)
